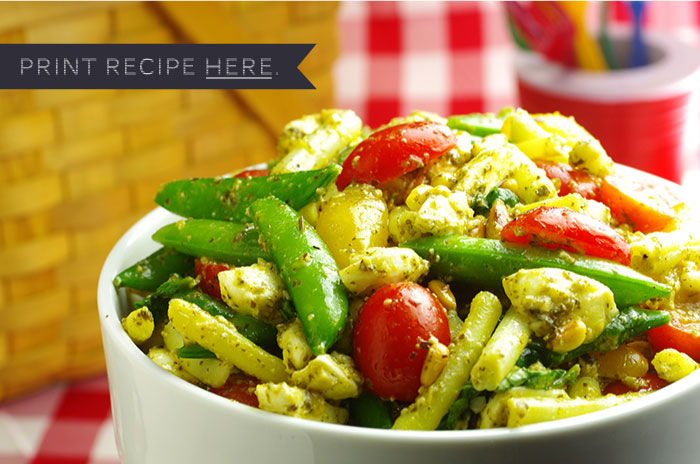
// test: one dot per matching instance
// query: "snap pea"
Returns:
(308, 270)
(227, 199)
(225, 241)
(368, 410)
(150, 272)
(630, 322)
(485, 262)
(476, 123)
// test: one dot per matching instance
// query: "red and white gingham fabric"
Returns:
(449, 57)
(65, 424)
(446, 57)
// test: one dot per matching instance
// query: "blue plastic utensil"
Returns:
(638, 52)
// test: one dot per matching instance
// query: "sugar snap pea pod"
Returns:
(227, 199)
(368, 410)
(484, 262)
(150, 272)
(308, 270)
(229, 242)
(476, 123)
(195, 352)
(630, 322)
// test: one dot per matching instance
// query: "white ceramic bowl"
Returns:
(160, 418)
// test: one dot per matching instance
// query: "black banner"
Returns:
(153, 66)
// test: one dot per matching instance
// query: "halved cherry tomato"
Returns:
(635, 203)
(554, 227)
(391, 337)
(208, 273)
(396, 150)
(571, 180)
(240, 388)
(681, 333)
(253, 173)
(651, 382)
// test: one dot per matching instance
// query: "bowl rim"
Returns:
(110, 324)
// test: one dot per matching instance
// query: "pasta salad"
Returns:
(476, 271)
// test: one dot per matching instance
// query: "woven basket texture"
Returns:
(78, 167)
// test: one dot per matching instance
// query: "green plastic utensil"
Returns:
(604, 38)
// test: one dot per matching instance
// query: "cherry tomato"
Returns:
(681, 333)
(651, 382)
(396, 150)
(391, 338)
(554, 227)
(240, 388)
(208, 273)
(571, 180)
(253, 173)
(636, 203)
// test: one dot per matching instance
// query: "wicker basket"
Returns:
(78, 167)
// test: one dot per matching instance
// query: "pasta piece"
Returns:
(379, 266)
(212, 372)
(585, 387)
(171, 363)
(315, 140)
(501, 352)
(332, 375)
(491, 167)
(564, 308)
(219, 336)
(495, 413)
(282, 398)
(296, 351)
(434, 401)
(256, 290)
(139, 325)
(524, 411)
(658, 253)
(672, 365)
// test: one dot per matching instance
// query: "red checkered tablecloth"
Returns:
(65, 424)
(446, 57)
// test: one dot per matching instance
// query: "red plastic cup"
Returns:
(646, 117)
